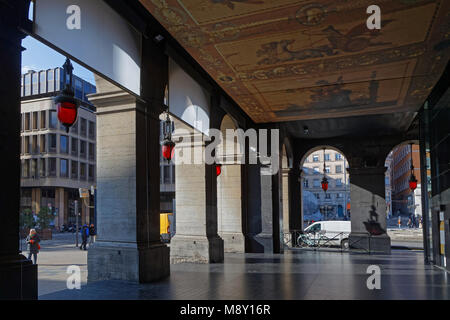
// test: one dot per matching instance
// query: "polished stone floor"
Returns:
(294, 275)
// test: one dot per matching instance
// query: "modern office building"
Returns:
(335, 202)
(56, 163)
(405, 201)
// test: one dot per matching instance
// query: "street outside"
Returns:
(54, 258)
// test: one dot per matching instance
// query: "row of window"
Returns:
(316, 170)
(47, 143)
(48, 81)
(317, 183)
(329, 195)
(316, 158)
(47, 167)
(38, 120)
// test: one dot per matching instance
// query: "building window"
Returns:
(91, 130)
(327, 196)
(74, 146)
(35, 120)
(63, 168)
(34, 146)
(327, 169)
(91, 172)
(27, 84)
(74, 170)
(82, 171)
(306, 183)
(316, 170)
(167, 174)
(78, 89)
(35, 83)
(27, 121)
(25, 168)
(42, 146)
(91, 151)
(82, 149)
(74, 128)
(339, 169)
(338, 182)
(317, 196)
(52, 142)
(316, 158)
(42, 168)
(43, 120)
(42, 82)
(316, 183)
(338, 195)
(327, 157)
(26, 146)
(52, 167)
(53, 121)
(50, 81)
(83, 127)
(64, 144)
(34, 168)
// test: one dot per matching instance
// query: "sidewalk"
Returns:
(54, 258)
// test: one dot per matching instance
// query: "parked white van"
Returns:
(338, 231)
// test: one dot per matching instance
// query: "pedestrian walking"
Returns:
(409, 224)
(84, 236)
(399, 222)
(92, 235)
(33, 245)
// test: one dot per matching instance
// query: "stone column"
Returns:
(368, 210)
(285, 199)
(252, 217)
(196, 239)
(265, 237)
(18, 276)
(128, 243)
(229, 206)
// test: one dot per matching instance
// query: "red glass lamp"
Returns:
(168, 146)
(66, 104)
(324, 184)
(218, 169)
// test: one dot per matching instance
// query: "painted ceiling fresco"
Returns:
(284, 60)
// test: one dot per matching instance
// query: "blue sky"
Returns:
(38, 56)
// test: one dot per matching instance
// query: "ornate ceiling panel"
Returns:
(285, 60)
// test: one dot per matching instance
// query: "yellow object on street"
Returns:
(164, 223)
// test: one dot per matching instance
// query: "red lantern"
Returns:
(168, 149)
(218, 169)
(67, 112)
(412, 183)
(66, 104)
(325, 184)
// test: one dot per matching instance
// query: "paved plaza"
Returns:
(298, 274)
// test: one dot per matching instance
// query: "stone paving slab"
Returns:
(294, 275)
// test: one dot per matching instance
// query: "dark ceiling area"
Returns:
(374, 125)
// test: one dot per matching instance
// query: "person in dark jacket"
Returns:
(91, 235)
(33, 245)
(84, 236)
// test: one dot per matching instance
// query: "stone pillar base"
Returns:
(197, 249)
(18, 279)
(233, 242)
(266, 241)
(371, 244)
(123, 261)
